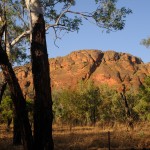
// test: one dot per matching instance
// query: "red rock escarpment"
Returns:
(108, 67)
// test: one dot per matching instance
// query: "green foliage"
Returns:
(146, 42)
(143, 104)
(110, 108)
(77, 106)
(59, 16)
(64, 106)
(88, 104)
(90, 99)
(30, 105)
(11, 11)
(108, 16)
(6, 109)
(132, 99)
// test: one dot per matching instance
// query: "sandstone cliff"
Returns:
(108, 67)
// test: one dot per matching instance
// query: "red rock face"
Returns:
(108, 67)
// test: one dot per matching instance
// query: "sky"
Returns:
(92, 37)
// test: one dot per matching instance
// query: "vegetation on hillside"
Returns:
(88, 104)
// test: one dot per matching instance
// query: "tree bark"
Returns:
(127, 111)
(18, 100)
(16, 131)
(43, 116)
(2, 90)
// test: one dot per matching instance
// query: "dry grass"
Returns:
(90, 138)
(6, 139)
(95, 138)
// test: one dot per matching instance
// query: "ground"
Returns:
(90, 138)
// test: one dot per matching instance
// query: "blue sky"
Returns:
(91, 37)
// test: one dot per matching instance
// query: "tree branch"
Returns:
(83, 14)
(56, 37)
(26, 33)
(16, 40)
(19, 15)
(58, 19)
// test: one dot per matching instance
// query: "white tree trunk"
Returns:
(43, 116)
(6, 37)
(35, 9)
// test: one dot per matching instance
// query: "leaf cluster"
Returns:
(109, 17)
(12, 12)
(6, 109)
(146, 42)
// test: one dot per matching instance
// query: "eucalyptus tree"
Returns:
(11, 14)
(17, 96)
(34, 18)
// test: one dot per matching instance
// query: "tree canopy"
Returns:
(59, 16)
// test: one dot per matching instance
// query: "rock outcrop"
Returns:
(108, 67)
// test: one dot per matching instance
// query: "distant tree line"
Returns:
(90, 105)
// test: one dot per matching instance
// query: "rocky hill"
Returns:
(108, 67)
